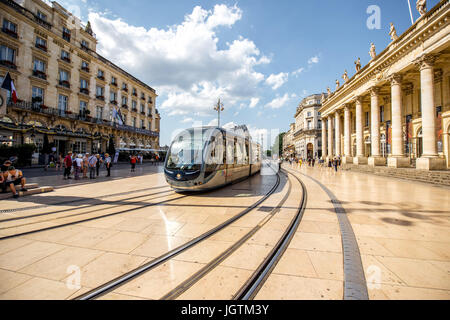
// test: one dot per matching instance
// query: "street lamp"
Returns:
(219, 107)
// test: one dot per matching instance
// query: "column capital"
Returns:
(347, 107)
(374, 91)
(426, 61)
(359, 99)
(396, 79)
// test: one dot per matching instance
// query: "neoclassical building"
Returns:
(67, 90)
(288, 142)
(395, 111)
(307, 137)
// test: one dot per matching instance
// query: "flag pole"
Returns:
(410, 12)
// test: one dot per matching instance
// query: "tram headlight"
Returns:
(178, 176)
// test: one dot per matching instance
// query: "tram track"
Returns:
(133, 274)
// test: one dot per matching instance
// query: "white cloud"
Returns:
(183, 62)
(297, 72)
(187, 120)
(313, 60)
(277, 80)
(254, 102)
(278, 102)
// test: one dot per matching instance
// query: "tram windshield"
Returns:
(186, 152)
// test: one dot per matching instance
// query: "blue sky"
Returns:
(261, 57)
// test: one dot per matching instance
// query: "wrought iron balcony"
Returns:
(8, 64)
(84, 91)
(39, 74)
(10, 32)
(42, 22)
(41, 47)
(64, 83)
(66, 36)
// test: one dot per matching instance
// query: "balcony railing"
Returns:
(125, 89)
(66, 59)
(64, 83)
(66, 36)
(39, 74)
(125, 106)
(114, 102)
(84, 47)
(42, 22)
(8, 64)
(10, 32)
(114, 84)
(84, 91)
(143, 113)
(102, 98)
(101, 77)
(134, 109)
(40, 108)
(85, 69)
(41, 47)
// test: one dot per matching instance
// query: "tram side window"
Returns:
(247, 152)
(240, 153)
(211, 161)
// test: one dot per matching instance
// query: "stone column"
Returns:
(347, 136)
(429, 159)
(375, 159)
(359, 159)
(337, 134)
(330, 138)
(324, 139)
(397, 159)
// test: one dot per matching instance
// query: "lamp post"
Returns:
(219, 107)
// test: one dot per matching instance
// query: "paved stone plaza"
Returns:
(402, 230)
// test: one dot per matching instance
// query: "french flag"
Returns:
(8, 84)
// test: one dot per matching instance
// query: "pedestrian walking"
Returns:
(133, 163)
(99, 162)
(92, 166)
(67, 165)
(59, 161)
(108, 164)
(85, 165)
(78, 164)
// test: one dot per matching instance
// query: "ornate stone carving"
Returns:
(425, 61)
(358, 65)
(421, 6)
(374, 91)
(396, 79)
(438, 75)
(345, 76)
(372, 51)
(337, 84)
(393, 33)
(329, 91)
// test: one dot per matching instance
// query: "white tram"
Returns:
(205, 158)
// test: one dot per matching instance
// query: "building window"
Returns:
(124, 86)
(99, 114)
(39, 69)
(114, 81)
(134, 92)
(367, 119)
(134, 122)
(64, 78)
(113, 97)
(83, 108)
(37, 95)
(142, 108)
(134, 105)
(124, 101)
(99, 91)
(85, 66)
(124, 117)
(143, 96)
(62, 104)
(149, 125)
(9, 28)
(150, 100)
(382, 114)
(66, 34)
(319, 124)
(41, 44)
(149, 111)
(41, 16)
(65, 56)
(84, 86)
(7, 56)
(309, 125)
(309, 114)
(100, 74)
(84, 44)
(142, 124)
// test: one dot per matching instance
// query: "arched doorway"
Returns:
(310, 151)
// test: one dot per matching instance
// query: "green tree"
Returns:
(277, 147)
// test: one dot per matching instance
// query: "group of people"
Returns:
(334, 163)
(10, 177)
(84, 163)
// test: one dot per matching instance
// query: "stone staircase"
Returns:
(441, 178)
(33, 188)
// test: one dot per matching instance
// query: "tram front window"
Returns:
(186, 154)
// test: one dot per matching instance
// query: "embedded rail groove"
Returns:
(251, 288)
(125, 278)
(188, 283)
(355, 286)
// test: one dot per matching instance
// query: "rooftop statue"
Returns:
(358, 64)
(421, 6)
(329, 91)
(337, 84)
(393, 33)
(372, 51)
(345, 76)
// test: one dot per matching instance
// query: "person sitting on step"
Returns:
(12, 178)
